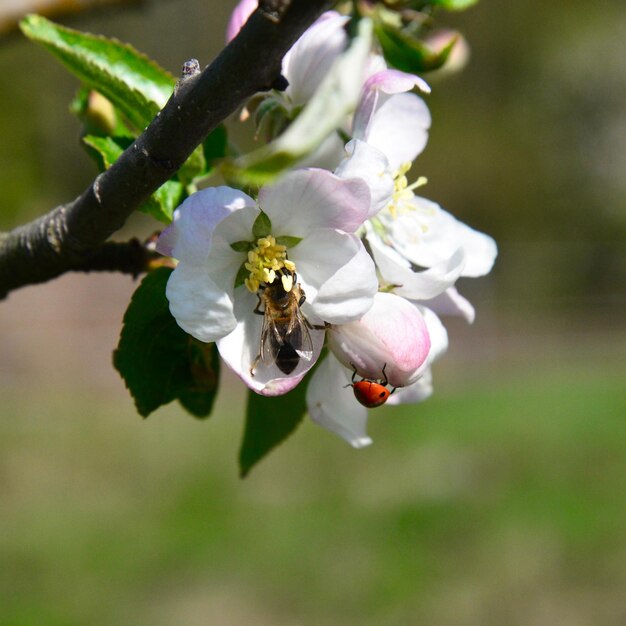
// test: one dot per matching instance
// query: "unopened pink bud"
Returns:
(392, 336)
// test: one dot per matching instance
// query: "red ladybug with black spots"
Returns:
(371, 392)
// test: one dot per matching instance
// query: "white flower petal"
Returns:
(304, 200)
(421, 285)
(200, 307)
(451, 302)
(399, 128)
(337, 274)
(429, 234)
(370, 164)
(334, 407)
(240, 350)
(417, 392)
(307, 62)
(223, 262)
(437, 333)
(188, 237)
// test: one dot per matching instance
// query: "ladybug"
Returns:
(369, 392)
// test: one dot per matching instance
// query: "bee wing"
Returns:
(299, 336)
(270, 339)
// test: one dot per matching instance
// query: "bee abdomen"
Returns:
(287, 358)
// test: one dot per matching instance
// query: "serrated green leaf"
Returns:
(326, 111)
(269, 421)
(158, 361)
(287, 240)
(136, 85)
(404, 52)
(162, 202)
(242, 246)
(262, 226)
(108, 149)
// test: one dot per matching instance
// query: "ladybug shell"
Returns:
(370, 393)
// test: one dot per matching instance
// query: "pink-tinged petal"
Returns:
(399, 128)
(239, 17)
(422, 285)
(310, 58)
(417, 392)
(188, 237)
(370, 164)
(392, 336)
(451, 302)
(337, 274)
(428, 235)
(199, 306)
(241, 347)
(304, 200)
(376, 90)
(394, 81)
(333, 406)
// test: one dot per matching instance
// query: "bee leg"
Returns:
(254, 364)
(256, 309)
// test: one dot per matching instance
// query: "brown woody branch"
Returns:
(70, 235)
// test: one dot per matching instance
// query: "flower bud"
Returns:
(392, 336)
(459, 55)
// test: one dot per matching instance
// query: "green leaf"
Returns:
(242, 274)
(262, 226)
(453, 5)
(215, 145)
(326, 111)
(269, 421)
(135, 84)
(162, 202)
(404, 52)
(158, 361)
(106, 149)
(204, 366)
(98, 114)
(289, 241)
(242, 246)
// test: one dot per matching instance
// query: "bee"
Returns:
(285, 337)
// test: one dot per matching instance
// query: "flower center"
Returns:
(403, 192)
(265, 260)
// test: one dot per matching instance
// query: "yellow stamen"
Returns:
(403, 192)
(264, 263)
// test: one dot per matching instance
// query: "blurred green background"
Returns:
(498, 501)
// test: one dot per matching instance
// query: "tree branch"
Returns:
(68, 236)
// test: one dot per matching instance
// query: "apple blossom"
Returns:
(228, 247)
(393, 335)
(308, 60)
